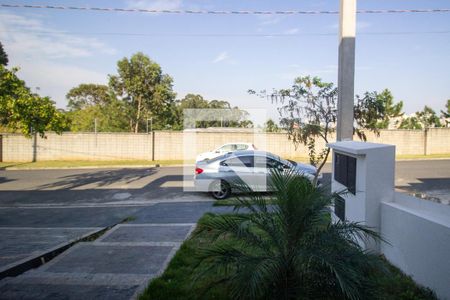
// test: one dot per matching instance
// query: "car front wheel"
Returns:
(220, 190)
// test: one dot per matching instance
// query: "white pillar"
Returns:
(367, 170)
(346, 70)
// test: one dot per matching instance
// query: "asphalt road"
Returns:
(141, 186)
(87, 187)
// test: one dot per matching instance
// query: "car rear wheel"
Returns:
(220, 189)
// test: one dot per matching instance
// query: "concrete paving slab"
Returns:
(24, 248)
(175, 212)
(18, 243)
(96, 258)
(39, 276)
(65, 291)
(64, 217)
(143, 233)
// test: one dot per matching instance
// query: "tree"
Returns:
(368, 111)
(428, 117)
(94, 104)
(309, 112)
(3, 56)
(289, 249)
(111, 117)
(446, 114)
(389, 109)
(88, 94)
(145, 88)
(22, 110)
(193, 101)
(271, 126)
(410, 123)
(229, 116)
(220, 104)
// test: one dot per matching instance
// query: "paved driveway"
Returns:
(44, 211)
(117, 265)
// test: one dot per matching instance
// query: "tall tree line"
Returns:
(139, 92)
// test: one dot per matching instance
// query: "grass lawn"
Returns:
(398, 157)
(179, 280)
(86, 163)
(430, 156)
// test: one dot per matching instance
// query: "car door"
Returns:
(272, 165)
(261, 173)
(236, 170)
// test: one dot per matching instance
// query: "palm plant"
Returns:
(288, 249)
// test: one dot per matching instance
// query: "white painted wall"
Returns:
(419, 234)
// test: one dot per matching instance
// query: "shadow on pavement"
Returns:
(427, 184)
(100, 178)
(71, 190)
(433, 189)
(4, 179)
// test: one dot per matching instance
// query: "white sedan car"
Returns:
(227, 148)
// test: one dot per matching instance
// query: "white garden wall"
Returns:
(419, 235)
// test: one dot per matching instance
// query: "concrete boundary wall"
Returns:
(419, 235)
(168, 145)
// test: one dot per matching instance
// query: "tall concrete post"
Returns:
(346, 70)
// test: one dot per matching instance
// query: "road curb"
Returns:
(42, 258)
(97, 167)
(35, 261)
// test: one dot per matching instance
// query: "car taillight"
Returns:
(198, 171)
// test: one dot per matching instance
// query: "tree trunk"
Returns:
(321, 166)
(131, 125)
(138, 115)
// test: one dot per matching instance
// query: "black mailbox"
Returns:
(339, 207)
(345, 171)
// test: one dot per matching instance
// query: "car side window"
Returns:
(266, 162)
(241, 147)
(230, 162)
(242, 161)
(275, 164)
(248, 161)
(272, 164)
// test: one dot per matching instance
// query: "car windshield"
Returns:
(288, 163)
(241, 147)
(225, 148)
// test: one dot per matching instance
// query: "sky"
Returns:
(223, 56)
